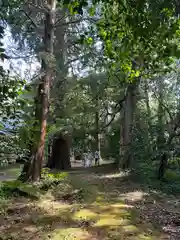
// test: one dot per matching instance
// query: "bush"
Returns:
(16, 188)
(145, 172)
(7, 189)
(174, 162)
(51, 179)
(46, 174)
(172, 175)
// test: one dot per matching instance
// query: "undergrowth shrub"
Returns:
(49, 180)
(145, 172)
(9, 188)
(174, 163)
(172, 175)
(60, 185)
(16, 188)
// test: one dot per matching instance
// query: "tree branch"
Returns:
(61, 18)
(29, 17)
(165, 107)
(171, 137)
(120, 104)
(68, 23)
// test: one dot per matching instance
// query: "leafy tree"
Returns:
(125, 50)
(137, 42)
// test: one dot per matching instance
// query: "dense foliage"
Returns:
(109, 77)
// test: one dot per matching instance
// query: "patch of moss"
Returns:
(85, 214)
(108, 221)
(70, 234)
(130, 229)
(143, 236)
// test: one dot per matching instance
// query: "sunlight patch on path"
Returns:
(114, 175)
(133, 196)
(101, 212)
(71, 234)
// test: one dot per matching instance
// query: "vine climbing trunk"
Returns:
(32, 171)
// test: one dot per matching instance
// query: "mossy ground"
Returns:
(85, 206)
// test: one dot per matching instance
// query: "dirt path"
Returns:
(92, 206)
(10, 173)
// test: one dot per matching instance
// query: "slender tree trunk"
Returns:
(164, 156)
(127, 120)
(146, 90)
(162, 145)
(162, 166)
(97, 133)
(32, 171)
(161, 125)
(149, 118)
(160, 142)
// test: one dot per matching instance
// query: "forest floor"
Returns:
(92, 204)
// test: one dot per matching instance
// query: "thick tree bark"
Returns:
(32, 170)
(60, 154)
(127, 120)
(60, 51)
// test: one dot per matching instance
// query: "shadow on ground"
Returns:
(90, 205)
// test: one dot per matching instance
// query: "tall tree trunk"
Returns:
(161, 125)
(146, 90)
(32, 171)
(60, 52)
(161, 142)
(149, 117)
(97, 133)
(127, 119)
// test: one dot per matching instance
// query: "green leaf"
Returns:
(89, 40)
(92, 11)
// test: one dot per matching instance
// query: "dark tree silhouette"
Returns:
(59, 153)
